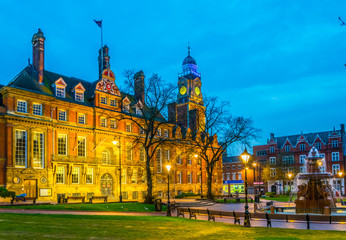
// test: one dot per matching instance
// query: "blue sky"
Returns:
(279, 62)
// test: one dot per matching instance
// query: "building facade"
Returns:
(286, 154)
(61, 136)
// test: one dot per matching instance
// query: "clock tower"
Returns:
(188, 110)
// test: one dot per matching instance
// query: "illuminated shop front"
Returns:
(233, 187)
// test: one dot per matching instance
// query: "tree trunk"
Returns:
(149, 196)
(209, 181)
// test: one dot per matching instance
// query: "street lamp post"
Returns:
(289, 178)
(245, 156)
(120, 194)
(168, 202)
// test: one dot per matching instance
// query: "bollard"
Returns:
(326, 211)
(308, 221)
(272, 209)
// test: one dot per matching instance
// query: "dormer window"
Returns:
(138, 111)
(60, 92)
(79, 96)
(113, 102)
(79, 92)
(60, 87)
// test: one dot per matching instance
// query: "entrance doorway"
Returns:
(106, 185)
(30, 188)
(273, 188)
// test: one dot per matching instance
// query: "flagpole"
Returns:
(101, 49)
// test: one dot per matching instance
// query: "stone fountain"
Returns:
(314, 193)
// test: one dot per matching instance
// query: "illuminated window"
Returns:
(75, 175)
(106, 157)
(20, 154)
(21, 106)
(38, 150)
(60, 174)
(62, 115)
(37, 109)
(62, 144)
(81, 147)
(167, 155)
(335, 168)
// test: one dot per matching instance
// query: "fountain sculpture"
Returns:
(314, 193)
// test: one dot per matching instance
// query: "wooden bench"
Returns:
(236, 219)
(192, 213)
(75, 198)
(104, 198)
(24, 199)
(210, 215)
(269, 221)
(180, 212)
(174, 206)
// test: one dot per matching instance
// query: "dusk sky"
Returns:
(280, 63)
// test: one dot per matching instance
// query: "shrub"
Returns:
(184, 195)
(5, 193)
(270, 194)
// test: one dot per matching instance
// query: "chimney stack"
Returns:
(342, 128)
(139, 86)
(271, 135)
(103, 59)
(38, 54)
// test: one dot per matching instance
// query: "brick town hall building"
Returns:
(57, 133)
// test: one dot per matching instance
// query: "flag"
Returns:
(99, 23)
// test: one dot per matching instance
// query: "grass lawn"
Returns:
(29, 226)
(230, 200)
(118, 207)
(281, 198)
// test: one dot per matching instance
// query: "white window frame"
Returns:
(103, 100)
(79, 149)
(272, 149)
(335, 156)
(60, 147)
(189, 177)
(79, 96)
(272, 161)
(22, 106)
(179, 178)
(167, 154)
(318, 145)
(228, 176)
(81, 118)
(38, 151)
(239, 176)
(106, 157)
(302, 159)
(21, 157)
(59, 90)
(62, 115)
(165, 133)
(113, 123)
(128, 127)
(233, 176)
(159, 161)
(129, 152)
(287, 148)
(159, 132)
(75, 171)
(335, 169)
(113, 102)
(335, 143)
(103, 122)
(37, 109)
(89, 173)
(302, 147)
(58, 168)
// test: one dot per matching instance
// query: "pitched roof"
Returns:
(231, 159)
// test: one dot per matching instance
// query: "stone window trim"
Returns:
(62, 115)
(75, 178)
(20, 148)
(79, 96)
(90, 175)
(103, 122)
(38, 150)
(103, 100)
(81, 117)
(62, 144)
(37, 109)
(60, 175)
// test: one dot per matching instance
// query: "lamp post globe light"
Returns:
(289, 178)
(245, 156)
(168, 202)
(340, 176)
(117, 143)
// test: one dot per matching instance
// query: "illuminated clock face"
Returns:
(182, 90)
(197, 90)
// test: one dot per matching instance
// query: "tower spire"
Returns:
(188, 48)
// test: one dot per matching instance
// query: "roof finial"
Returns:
(188, 48)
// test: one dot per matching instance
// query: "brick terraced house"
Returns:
(60, 135)
(287, 154)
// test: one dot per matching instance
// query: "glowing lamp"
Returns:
(340, 174)
(115, 142)
(289, 175)
(168, 167)
(245, 156)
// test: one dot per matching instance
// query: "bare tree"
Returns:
(149, 114)
(216, 131)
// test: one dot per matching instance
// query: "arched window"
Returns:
(106, 158)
